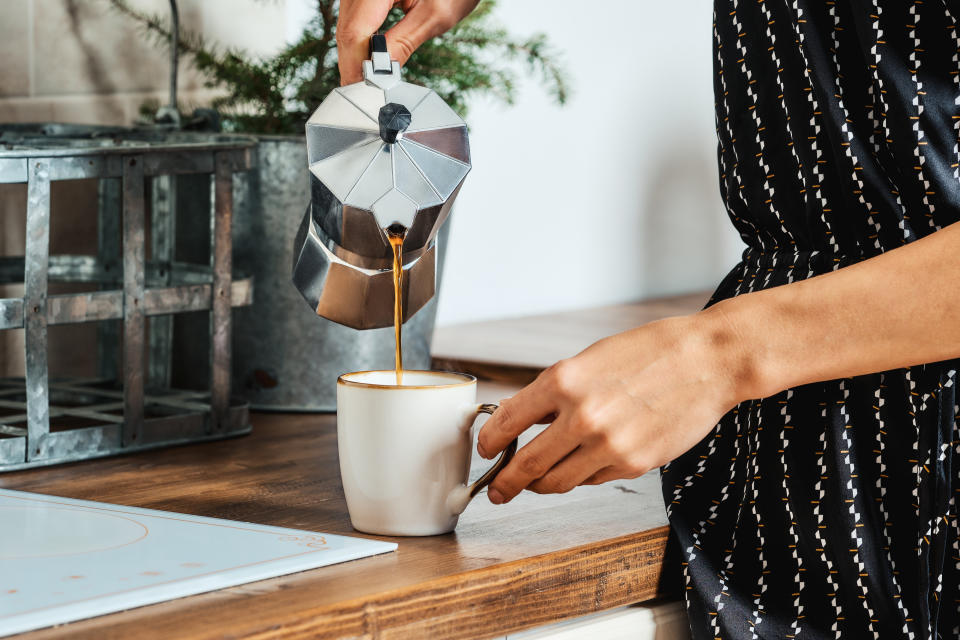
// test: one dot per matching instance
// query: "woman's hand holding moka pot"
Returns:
(360, 19)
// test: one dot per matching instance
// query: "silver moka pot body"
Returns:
(383, 154)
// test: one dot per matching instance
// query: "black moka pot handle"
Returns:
(378, 44)
(379, 56)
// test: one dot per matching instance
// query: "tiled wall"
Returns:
(80, 61)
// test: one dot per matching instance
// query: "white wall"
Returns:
(609, 199)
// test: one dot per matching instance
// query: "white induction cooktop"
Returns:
(63, 560)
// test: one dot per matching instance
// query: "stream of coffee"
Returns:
(396, 243)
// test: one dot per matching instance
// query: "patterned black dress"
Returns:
(829, 510)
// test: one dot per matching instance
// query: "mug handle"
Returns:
(461, 496)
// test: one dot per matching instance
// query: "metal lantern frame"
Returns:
(133, 415)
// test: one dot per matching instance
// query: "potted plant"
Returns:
(285, 357)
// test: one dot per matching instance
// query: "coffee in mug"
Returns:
(405, 449)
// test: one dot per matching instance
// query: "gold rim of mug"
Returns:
(466, 377)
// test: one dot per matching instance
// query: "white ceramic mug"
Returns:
(405, 450)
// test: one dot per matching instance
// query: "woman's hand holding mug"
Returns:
(623, 406)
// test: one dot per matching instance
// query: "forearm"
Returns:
(898, 309)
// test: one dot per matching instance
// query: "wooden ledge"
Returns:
(498, 599)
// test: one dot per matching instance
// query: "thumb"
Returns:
(357, 21)
(421, 23)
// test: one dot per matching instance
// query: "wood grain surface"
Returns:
(515, 350)
(536, 560)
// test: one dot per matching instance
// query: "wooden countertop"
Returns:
(533, 561)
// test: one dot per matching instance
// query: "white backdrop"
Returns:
(609, 199)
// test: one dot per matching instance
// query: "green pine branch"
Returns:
(276, 95)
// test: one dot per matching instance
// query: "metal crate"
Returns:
(130, 408)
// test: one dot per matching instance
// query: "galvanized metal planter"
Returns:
(132, 408)
(285, 357)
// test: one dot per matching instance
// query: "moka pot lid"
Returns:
(387, 146)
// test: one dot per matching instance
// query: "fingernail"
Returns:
(495, 496)
(481, 450)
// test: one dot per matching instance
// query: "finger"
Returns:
(514, 416)
(357, 22)
(570, 472)
(533, 460)
(603, 475)
(421, 23)
(547, 419)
